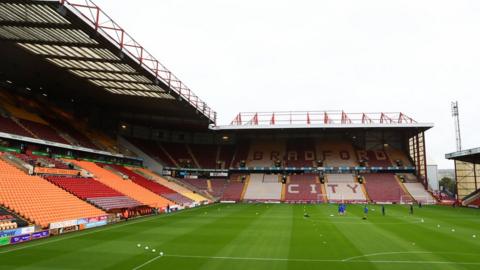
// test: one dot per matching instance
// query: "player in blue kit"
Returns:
(365, 212)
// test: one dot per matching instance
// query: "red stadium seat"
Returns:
(95, 192)
(153, 186)
(383, 187)
(303, 188)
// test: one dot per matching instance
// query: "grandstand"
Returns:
(104, 174)
(467, 174)
(50, 203)
(133, 97)
(95, 131)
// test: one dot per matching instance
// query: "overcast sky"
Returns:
(270, 55)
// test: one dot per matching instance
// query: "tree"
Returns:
(448, 183)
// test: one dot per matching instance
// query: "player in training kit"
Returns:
(365, 212)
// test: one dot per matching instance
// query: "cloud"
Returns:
(245, 55)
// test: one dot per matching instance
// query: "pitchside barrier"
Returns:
(25, 234)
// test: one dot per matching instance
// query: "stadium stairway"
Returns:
(129, 188)
(245, 186)
(263, 187)
(153, 186)
(343, 187)
(303, 188)
(170, 184)
(384, 187)
(38, 200)
(94, 192)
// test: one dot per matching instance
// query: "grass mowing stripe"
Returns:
(235, 237)
(87, 232)
(209, 220)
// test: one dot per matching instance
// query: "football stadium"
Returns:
(109, 161)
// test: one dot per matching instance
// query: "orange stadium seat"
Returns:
(39, 200)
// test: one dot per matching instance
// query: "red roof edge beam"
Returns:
(366, 119)
(345, 118)
(384, 119)
(272, 121)
(402, 118)
(105, 25)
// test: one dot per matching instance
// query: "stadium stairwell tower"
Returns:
(456, 119)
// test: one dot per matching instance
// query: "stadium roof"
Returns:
(43, 40)
(470, 155)
(323, 120)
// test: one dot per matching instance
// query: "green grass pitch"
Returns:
(261, 236)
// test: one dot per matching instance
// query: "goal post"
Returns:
(407, 199)
(423, 199)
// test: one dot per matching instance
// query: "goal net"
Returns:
(423, 199)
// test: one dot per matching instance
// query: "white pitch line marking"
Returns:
(147, 262)
(347, 260)
(404, 252)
